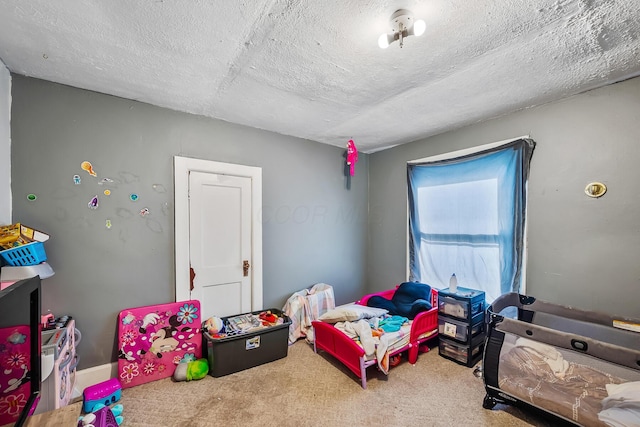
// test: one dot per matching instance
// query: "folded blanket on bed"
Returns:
(408, 300)
(377, 347)
(360, 330)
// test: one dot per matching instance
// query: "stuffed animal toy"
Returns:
(213, 325)
(267, 318)
(195, 370)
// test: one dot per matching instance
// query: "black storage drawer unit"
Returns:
(467, 355)
(461, 325)
(227, 355)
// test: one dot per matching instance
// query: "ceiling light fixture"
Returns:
(403, 24)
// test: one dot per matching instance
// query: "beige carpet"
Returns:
(308, 389)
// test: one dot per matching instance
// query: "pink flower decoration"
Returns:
(12, 404)
(129, 372)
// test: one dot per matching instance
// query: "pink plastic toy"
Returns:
(352, 156)
(106, 392)
(45, 319)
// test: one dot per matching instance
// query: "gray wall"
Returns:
(583, 252)
(314, 227)
(5, 145)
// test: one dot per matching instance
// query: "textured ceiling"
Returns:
(312, 69)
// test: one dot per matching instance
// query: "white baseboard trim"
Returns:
(94, 375)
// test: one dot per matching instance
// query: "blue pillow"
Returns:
(408, 300)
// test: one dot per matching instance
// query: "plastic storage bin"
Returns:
(463, 354)
(29, 254)
(458, 330)
(464, 304)
(227, 355)
(461, 325)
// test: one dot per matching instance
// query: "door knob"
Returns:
(245, 267)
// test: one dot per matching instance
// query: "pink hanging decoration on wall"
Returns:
(352, 156)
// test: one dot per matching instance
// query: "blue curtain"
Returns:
(466, 217)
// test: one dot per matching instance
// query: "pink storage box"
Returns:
(152, 340)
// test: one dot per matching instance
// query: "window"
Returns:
(467, 215)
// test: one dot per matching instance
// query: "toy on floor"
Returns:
(102, 416)
(106, 393)
(195, 370)
(395, 360)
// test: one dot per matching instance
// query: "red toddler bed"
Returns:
(330, 339)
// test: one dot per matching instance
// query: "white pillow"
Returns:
(351, 313)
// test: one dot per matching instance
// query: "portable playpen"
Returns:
(581, 366)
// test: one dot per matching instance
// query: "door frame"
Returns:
(182, 167)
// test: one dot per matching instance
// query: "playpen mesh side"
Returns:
(560, 381)
(569, 362)
(547, 373)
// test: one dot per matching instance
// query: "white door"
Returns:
(218, 236)
(220, 242)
